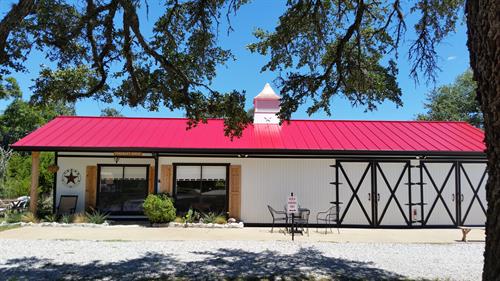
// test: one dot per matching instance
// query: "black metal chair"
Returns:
(328, 217)
(67, 204)
(278, 216)
(19, 205)
(302, 220)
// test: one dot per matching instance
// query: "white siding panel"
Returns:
(270, 181)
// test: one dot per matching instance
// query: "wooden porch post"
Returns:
(35, 171)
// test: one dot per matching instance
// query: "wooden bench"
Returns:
(467, 229)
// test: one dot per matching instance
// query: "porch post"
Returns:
(35, 171)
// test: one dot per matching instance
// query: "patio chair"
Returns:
(67, 205)
(278, 216)
(302, 220)
(328, 217)
(20, 204)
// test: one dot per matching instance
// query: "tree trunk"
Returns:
(483, 25)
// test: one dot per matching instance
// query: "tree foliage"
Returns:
(173, 68)
(454, 102)
(319, 48)
(327, 48)
(111, 112)
(9, 88)
(19, 119)
(18, 175)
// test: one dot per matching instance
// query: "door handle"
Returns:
(453, 197)
(462, 197)
(369, 196)
(378, 196)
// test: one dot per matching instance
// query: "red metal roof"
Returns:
(169, 134)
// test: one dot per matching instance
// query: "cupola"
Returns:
(266, 105)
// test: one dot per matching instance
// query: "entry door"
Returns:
(440, 195)
(473, 177)
(393, 198)
(122, 188)
(355, 192)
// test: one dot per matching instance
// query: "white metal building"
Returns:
(378, 173)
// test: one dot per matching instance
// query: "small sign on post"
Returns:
(291, 204)
(291, 209)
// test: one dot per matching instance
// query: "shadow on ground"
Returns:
(229, 264)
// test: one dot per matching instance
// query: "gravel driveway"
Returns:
(202, 260)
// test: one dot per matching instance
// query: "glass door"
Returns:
(122, 189)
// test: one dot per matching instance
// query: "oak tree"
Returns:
(319, 49)
(454, 102)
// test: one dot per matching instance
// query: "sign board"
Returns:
(127, 154)
(292, 205)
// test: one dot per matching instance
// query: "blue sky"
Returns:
(244, 73)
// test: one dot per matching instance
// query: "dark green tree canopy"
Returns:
(9, 88)
(21, 118)
(111, 112)
(319, 49)
(454, 102)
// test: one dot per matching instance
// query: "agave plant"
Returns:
(96, 217)
(29, 217)
(51, 218)
(66, 219)
(212, 217)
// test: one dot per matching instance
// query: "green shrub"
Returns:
(179, 220)
(12, 217)
(66, 219)
(96, 217)
(220, 220)
(159, 208)
(29, 217)
(191, 216)
(51, 218)
(44, 206)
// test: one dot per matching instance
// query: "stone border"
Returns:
(200, 225)
(106, 224)
(56, 224)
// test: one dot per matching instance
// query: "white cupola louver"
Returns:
(266, 104)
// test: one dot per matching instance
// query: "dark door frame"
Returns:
(174, 188)
(439, 191)
(355, 190)
(98, 189)
(393, 189)
(475, 190)
(373, 166)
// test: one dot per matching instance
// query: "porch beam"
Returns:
(35, 172)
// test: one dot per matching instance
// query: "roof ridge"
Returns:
(299, 120)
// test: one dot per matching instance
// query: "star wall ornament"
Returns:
(71, 177)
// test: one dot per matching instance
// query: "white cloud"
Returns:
(451, 58)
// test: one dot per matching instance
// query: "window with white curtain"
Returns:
(201, 187)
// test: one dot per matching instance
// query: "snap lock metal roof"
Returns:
(78, 133)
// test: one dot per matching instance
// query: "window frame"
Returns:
(226, 165)
(98, 189)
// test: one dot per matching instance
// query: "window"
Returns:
(122, 189)
(201, 187)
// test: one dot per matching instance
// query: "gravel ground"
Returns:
(204, 260)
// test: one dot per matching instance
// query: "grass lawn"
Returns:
(7, 227)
